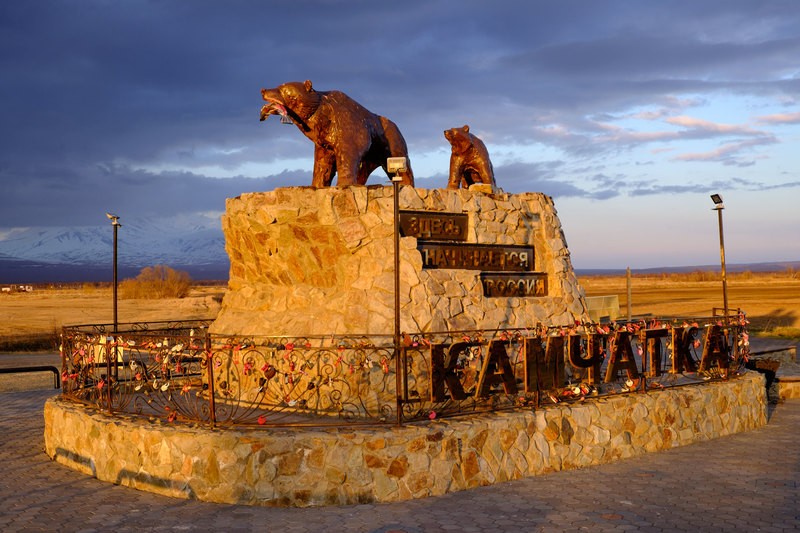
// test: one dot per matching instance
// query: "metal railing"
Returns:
(35, 369)
(177, 371)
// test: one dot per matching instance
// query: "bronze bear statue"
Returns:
(348, 139)
(469, 160)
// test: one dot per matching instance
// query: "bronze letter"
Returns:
(715, 349)
(496, 369)
(682, 339)
(594, 352)
(443, 371)
(651, 357)
(551, 364)
(621, 357)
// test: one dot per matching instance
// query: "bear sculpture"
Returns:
(469, 160)
(348, 139)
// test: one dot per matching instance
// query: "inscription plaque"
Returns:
(507, 270)
(433, 225)
(505, 285)
(494, 257)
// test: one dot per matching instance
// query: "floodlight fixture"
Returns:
(395, 166)
(718, 207)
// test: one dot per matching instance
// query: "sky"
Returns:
(628, 113)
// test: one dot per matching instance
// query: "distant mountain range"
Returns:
(196, 246)
(75, 254)
(777, 266)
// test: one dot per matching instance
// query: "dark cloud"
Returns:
(732, 184)
(58, 197)
(542, 177)
(103, 101)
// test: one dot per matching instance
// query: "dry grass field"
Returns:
(771, 300)
(44, 311)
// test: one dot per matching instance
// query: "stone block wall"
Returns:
(788, 387)
(308, 261)
(304, 467)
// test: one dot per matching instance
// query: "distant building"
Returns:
(17, 288)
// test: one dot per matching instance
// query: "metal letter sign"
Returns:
(507, 269)
(494, 257)
(433, 225)
(506, 285)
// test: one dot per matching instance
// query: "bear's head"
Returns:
(459, 138)
(299, 100)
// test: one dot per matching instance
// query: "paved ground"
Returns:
(747, 482)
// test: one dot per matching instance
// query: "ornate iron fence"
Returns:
(177, 371)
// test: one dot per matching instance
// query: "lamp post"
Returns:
(394, 167)
(718, 207)
(115, 224)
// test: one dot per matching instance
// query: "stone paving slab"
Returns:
(746, 482)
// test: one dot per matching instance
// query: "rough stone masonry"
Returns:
(319, 261)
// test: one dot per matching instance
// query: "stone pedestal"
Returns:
(308, 261)
(355, 465)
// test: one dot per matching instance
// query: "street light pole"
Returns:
(395, 166)
(396, 218)
(718, 207)
(116, 225)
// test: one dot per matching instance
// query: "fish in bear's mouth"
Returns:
(275, 108)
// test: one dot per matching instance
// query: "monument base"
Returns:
(308, 261)
(352, 465)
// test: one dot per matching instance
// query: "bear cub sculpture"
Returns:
(348, 139)
(469, 160)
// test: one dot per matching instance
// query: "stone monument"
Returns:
(318, 261)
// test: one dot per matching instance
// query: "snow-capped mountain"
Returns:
(195, 243)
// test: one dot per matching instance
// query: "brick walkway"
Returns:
(747, 482)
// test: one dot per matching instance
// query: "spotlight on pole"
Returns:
(394, 167)
(718, 207)
(115, 223)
